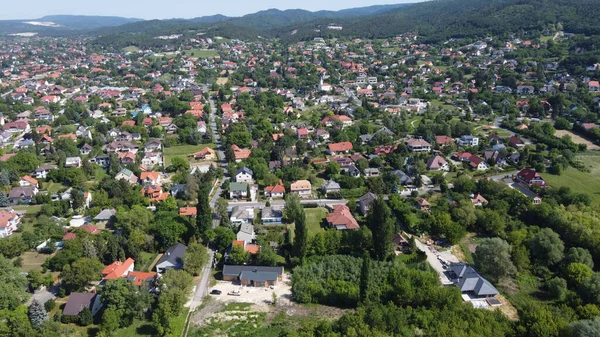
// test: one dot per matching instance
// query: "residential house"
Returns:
(365, 202)
(85, 149)
(271, 216)
(102, 160)
(443, 140)
(28, 181)
(105, 217)
(515, 142)
(171, 259)
(276, 191)
(437, 163)
(341, 218)
(302, 187)
(418, 145)
(79, 301)
(22, 194)
(188, 211)
(42, 171)
(256, 276)
(241, 215)
(478, 200)
(118, 269)
(151, 177)
(530, 178)
(423, 204)
(339, 148)
(127, 175)
(594, 86)
(467, 141)
(154, 193)
(9, 222)
(371, 172)
(140, 278)
(244, 175)
(153, 145)
(240, 154)
(126, 158)
(177, 190)
(73, 162)
(246, 232)
(151, 159)
(205, 154)
(330, 187)
(238, 190)
(470, 282)
(400, 243)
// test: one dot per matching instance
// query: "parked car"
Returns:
(234, 293)
(215, 292)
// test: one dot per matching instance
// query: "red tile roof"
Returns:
(188, 211)
(340, 147)
(341, 216)
(117, 269)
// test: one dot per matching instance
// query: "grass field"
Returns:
(578, 181)
(131, 49)
(33, 261)
(314, 218)
(182, 151)
(31, 210)
(201, 53)
(577, 139)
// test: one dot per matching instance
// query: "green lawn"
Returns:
(591, 159)
(201, 53)
(131, 49)
(578, 181)
(145, 260)
(182, 151)
(314, 218)
(33, 209)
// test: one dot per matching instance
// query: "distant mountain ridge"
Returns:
(65, 24)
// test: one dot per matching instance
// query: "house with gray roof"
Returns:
(241, 215)
(171, 259)
(468, 280)
(330, 187)
(365, 202)
(246, 233)
(271, 216)
(257, 276)
(105, 216)
(79, 301)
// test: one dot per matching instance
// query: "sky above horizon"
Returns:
(156, 9)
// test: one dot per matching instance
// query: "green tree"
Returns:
(224, 236)
(204, 211)
(77, 275)
(557, 288)
(266, 256)
(365, 278)
(381, 224)
(12, 285)
(85, 317)
(195, 258)
(238, 255)
(546, 247)
(222, 206)
(37, 314)
(579, 255)
(179, 164)
(110, 321)
(576, 273)
(492, 259)
(585, 328)
(294, 212)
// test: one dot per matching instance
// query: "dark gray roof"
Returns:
(244, 170)
(231, 270)
(77, 302)
(469, 280)
(174, 255)
(368, 198)
(18, 192)
(105, 215)
(258, 276)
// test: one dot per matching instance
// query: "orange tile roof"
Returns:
(5, 217)
(188, 211)
(140, 278)
(117, 269)
(30, 180)
(149, 175)
(341, 216)
(340, 147)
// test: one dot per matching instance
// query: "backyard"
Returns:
(314, 219)
(182, 151)
(201, 53)
(578, 181)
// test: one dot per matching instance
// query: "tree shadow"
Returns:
(146, 330)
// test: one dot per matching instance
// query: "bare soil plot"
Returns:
(577, 139)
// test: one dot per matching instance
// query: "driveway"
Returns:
(434, 257)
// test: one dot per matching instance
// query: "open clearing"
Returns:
(577, 139)
(314, 218)
(33, 261)
(578, 181)
(222, 80)
(201, 53)
(182, 151)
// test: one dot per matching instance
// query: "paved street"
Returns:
(201, 289)
(281, 203)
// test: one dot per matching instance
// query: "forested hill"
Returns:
(435, 21)
(442, 19)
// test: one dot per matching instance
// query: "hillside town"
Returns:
(212, 166)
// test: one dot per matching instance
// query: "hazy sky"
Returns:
(161, 9)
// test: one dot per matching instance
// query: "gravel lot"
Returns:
(434, 261)
(258, 296)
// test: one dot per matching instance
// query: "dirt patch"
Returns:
(222, 80)
(33, 261)
(577, 139)
(507, 309)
